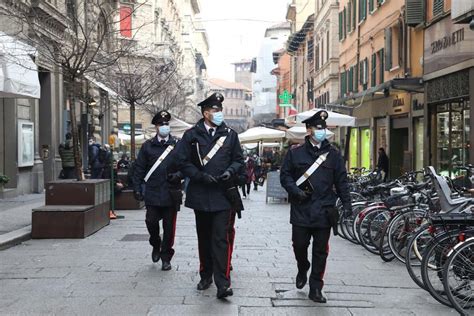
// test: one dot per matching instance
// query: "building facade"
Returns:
(448, 73)
(264, 98)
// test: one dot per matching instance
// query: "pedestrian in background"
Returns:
(249, 175)
(66, 152)
(383, 164)
(124, 163)
(210, 155)
(309, 174)
(156, 165)
(95, 163)
(257, 170)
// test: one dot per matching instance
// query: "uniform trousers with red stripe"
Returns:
(214, 245)
(301, 237)
(152, 219)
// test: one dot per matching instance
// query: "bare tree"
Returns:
(87, 44)
(138, 78)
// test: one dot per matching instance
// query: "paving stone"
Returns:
(220, 308)
(300, 311)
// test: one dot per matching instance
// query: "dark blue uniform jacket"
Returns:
(199, 195)
(328, 181)
(157, 189)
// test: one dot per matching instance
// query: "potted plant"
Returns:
(3, 180)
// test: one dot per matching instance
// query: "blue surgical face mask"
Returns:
(164, 130)
(319, 135)
(218, 118)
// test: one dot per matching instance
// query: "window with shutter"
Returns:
(373, 75)
(415, 12)
(438, 7)
(366, 73)
(381, 67)
(354, 14)
(362, 10)
(340, 26)
(327, 44)
(126, 21)
(345, 23)
(349, 18)
(371, 6)
(351, 79)
(388, 49)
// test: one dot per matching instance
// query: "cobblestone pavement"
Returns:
(111, 273)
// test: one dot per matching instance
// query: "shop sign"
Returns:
(399, 104)
(447, 44)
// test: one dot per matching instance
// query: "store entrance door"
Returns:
(398, 147)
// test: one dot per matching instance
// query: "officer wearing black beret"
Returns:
(156, 166)
(309, 174)
(210, 155)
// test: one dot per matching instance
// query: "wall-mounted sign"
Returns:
(26, 144)
(285, 98)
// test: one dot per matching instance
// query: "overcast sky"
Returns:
(235, 29)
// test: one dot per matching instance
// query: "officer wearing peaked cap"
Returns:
(211, 156)
(156, 166)
(309, 174)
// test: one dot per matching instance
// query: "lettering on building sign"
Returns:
(447, 41)
(398, 102)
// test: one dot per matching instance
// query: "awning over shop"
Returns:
(334, 118)
(297, 133)
(99, 84)
(18, 71)
(257, 134)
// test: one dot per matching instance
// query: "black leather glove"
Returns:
(208, 179)
(225, 176)
(301, 195)
(138, 195)
(174, 177)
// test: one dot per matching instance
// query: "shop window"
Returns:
(126, 21)
(365, 143)
(354, 148)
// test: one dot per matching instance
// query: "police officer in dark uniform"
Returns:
(313, 200)
(209, 167)
(162, 190)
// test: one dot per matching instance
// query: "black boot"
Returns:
(317, 296)
(224, 292)
(204, 284)
(166, 265)
(301, 279)
(155, 255)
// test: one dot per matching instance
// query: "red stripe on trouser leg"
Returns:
(327, 252)
(229, 246)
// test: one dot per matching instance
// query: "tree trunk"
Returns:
(75, 140)
(132, 131)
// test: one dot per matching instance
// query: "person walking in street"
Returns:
(210, 155)
(156, 166)
(249, 172)
(95, 164)
(257, 170)
(66, 153)
(309, 174)
(383, 163)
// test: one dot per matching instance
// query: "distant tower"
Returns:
(242, 72)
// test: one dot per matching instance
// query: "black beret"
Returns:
(317, 120)
(213, 101)
(160, 117)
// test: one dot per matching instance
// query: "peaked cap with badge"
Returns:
(318, 120)
(160, 117)
(214, 101)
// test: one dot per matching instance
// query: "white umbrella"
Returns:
(257, 134)
(299, 132)
(254, 145)
(334, 118)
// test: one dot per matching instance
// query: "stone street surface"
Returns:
(111, 273)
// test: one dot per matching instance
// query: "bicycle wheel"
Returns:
(416, 246)
(458, 276)
(432, 264)
(400, 231)
(384, 249)
(348, 223)
(370, 224)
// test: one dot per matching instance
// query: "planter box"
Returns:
(126, 201)
(66, 221)
(74, 209)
